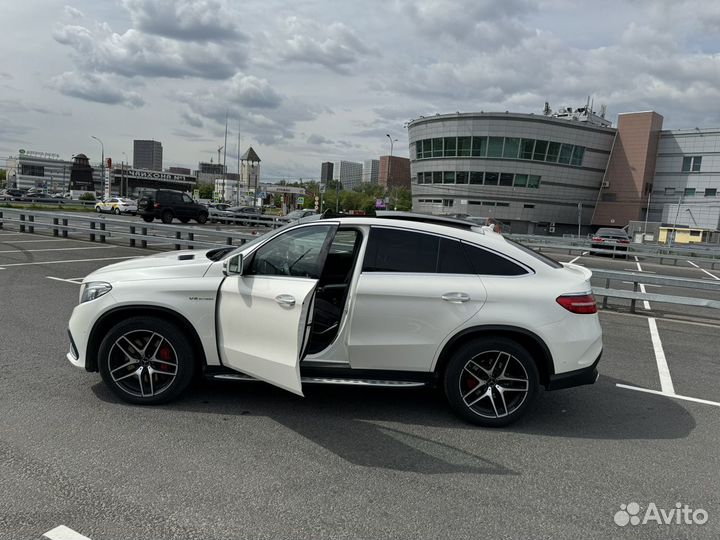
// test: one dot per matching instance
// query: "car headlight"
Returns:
(93, 289)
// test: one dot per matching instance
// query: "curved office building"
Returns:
(528, 171)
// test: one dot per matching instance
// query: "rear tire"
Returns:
(491, 382)
(116, 211)
(97, 209)
(166, 217)
(202, 218)
(146, 361)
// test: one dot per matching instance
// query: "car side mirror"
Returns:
(233, 266)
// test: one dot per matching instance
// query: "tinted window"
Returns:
(400, 251)
(186, 199)
(488, 263)
(452, 258)
(539, 256)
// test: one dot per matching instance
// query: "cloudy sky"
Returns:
(309, 81)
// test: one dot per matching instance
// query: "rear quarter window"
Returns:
(485, 262)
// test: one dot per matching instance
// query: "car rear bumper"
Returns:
(579, 377)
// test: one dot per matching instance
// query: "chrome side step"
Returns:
(329, 380)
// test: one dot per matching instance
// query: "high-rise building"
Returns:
(394, 172)
(371, 170)
(147, 155)
(326, 172)
(349, 173)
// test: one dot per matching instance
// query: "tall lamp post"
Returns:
(389, 178)
(102, 162)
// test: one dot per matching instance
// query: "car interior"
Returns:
(332, 290)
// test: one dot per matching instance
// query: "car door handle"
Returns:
(285, 300)
(456, 297)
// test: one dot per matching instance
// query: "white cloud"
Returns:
(134, 53)
(336, 46)
(97, 88)
(186, 20)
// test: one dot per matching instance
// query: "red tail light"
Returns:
(157, 205)
(597, 239)
(624, 241)
(578, 303)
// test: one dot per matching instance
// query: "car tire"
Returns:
(97, 209)
(184, 219)
(491, 382)
(116, 211)
(148, 219)
(202, 218)
(166, 217)
(154, 363)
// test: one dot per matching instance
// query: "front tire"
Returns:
(202, 218)
(491, 382)
(97, 209)
(146, 361)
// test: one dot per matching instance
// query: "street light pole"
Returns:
(102, 162)
(389, 178)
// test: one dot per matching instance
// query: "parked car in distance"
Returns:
(402, 300)
(253, 213)
(168, 204)
(218, 212)
(610, 239)
(117, 206)
(297, 215)
(12, 194)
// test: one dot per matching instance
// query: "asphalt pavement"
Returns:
(246, 460)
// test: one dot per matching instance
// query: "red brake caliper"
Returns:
(165, 353)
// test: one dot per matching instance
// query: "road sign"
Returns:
(301, 200)
(196, 194)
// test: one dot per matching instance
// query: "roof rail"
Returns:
(426, 218)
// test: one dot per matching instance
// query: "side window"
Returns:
(390, 250)
(175, 198)
(489, 264)
(187, 199)
(297, 253)
(452, 258)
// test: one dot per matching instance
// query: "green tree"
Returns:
(3, 178)
(206, 190)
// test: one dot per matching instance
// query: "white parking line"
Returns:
(66, 262)
(57, 249)
(708, 273)
(676, 396)
(666, 383)
(61, 532)
(646, 304)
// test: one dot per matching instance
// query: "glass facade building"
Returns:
(535, 173)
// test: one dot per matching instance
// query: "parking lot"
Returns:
(246, 460)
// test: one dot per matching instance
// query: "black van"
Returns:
(167, 204)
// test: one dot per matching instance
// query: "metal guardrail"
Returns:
(99, 228)
(625, 250)
(637, 278)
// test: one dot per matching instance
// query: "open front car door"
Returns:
(265, 305)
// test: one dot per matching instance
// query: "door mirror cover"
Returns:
(233, 266)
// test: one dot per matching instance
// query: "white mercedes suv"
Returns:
(400, 300)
